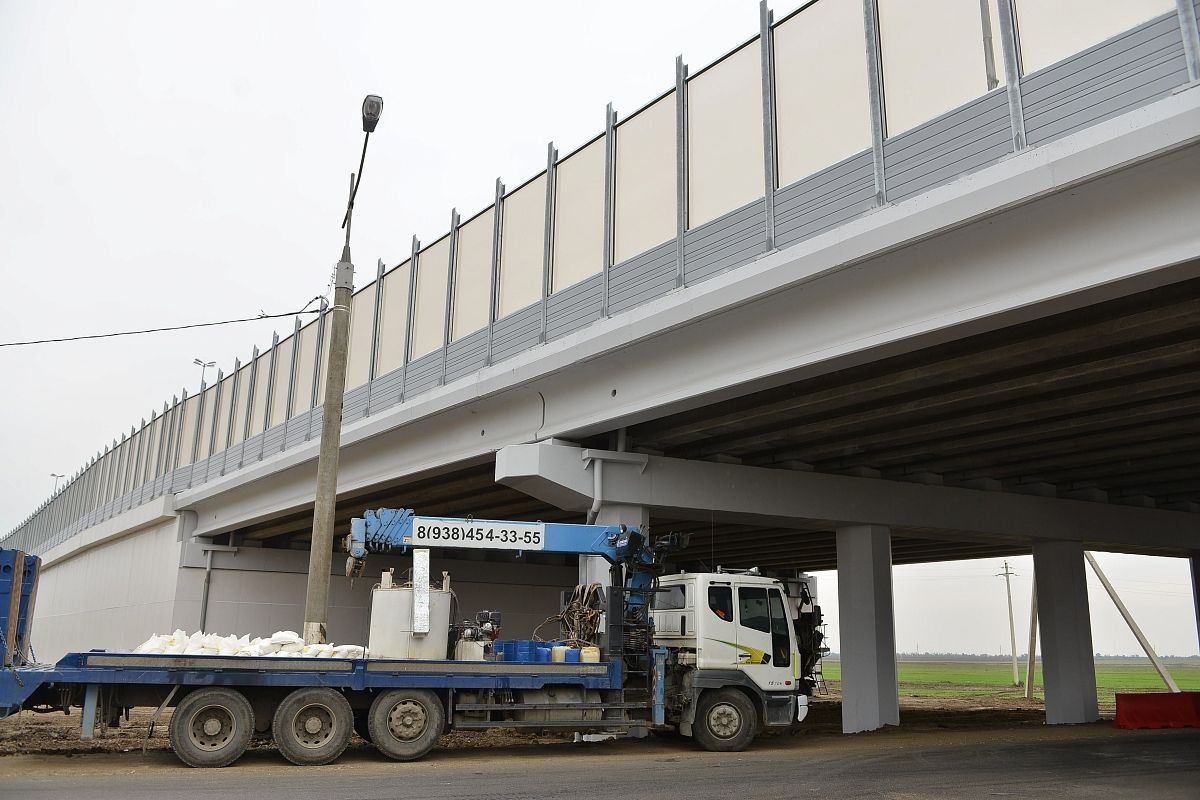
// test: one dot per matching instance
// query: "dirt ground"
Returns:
(28, 733)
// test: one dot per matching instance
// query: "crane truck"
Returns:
(716, 656)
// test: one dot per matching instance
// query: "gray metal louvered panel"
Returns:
(385, 390)
(466, 355)
(575, 306)
(251, 448)
(179, 478)
(1121, 73)
(824, 200)
(517, 332)
(296, 431)
(962, 141)
(424, 373)
(642, 278)
(354, 403)
(729, 241)
(272, 440)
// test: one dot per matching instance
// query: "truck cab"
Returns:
(742, 648)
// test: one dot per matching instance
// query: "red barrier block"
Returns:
(1158, 710)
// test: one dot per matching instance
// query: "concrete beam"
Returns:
(866, 627)
(1068, 664)
(557, 474)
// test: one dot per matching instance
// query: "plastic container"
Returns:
(559, 654)
(572, 655)
(589, 655)
(543, 654)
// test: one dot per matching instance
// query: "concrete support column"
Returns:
(1195, 562)
(1067, 658)
(866, 626)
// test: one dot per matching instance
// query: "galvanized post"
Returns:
(373, 364)
(610, 185)
(291, 390)
(127, 470)
(451, 268)
(200, 398)
(102, 486)
(1012, 72)
(766, 18)
(1191, 37)
(875, 91)
(989, 47)
(234, 379)
(317, 364)
(183, 398)
(248, 426)
(272, 375)
(216, 421)
(168, 464)
(413, 258)
(148, 433)
(160, 444)
(494, 290)
(681, 169)
(548, 239)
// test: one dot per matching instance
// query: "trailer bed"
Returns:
(114, 668)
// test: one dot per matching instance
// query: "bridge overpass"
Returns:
(874, 288)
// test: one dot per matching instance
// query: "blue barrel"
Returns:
(572, 655)
(543, 654)
(525, 650)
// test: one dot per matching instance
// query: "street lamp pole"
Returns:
(56, 477)
(320, 556)
(203, 365)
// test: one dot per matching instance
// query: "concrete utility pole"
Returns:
(1133, 626)
(1030, 659)
(1012, 628)
(320, 556)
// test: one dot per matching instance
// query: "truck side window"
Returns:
(752, 609)
(720, 600)
(671, 597)
(781, 644)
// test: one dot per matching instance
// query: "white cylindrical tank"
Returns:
(391, 634)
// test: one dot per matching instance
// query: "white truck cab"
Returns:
(742, 651)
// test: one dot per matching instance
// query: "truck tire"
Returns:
(405, 724)
(211, 727)
(725, 721)
(312, 726)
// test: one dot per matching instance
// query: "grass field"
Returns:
(961, 679)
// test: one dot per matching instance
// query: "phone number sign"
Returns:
(481, 534)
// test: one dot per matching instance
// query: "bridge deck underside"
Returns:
(1097, 404)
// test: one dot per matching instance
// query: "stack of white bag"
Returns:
(281, 643)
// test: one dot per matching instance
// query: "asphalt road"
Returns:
(1086, 762)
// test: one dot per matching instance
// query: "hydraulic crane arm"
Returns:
(385, 529)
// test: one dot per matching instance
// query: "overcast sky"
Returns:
(165, 163)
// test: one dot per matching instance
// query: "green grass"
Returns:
(994, 679)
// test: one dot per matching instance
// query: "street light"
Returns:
(320, 556)
(56, 477)
(203, 365)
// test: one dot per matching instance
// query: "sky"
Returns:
(164, 163)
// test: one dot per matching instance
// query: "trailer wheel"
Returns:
(725, 721)
(405, 724)
(211, 727)
(312, 726)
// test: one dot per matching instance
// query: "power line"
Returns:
(161, 330)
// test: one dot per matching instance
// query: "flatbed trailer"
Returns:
(470, 694)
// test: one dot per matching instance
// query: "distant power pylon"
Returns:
(1012, 628)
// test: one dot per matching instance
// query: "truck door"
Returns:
(764, 642)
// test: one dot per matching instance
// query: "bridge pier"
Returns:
(866, 625)
(1068, 668)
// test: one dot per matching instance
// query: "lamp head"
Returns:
(372, 108)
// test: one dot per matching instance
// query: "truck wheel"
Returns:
(211, 727)
(405, 724)
(361, 725)
(312, 726)
(725, 721)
